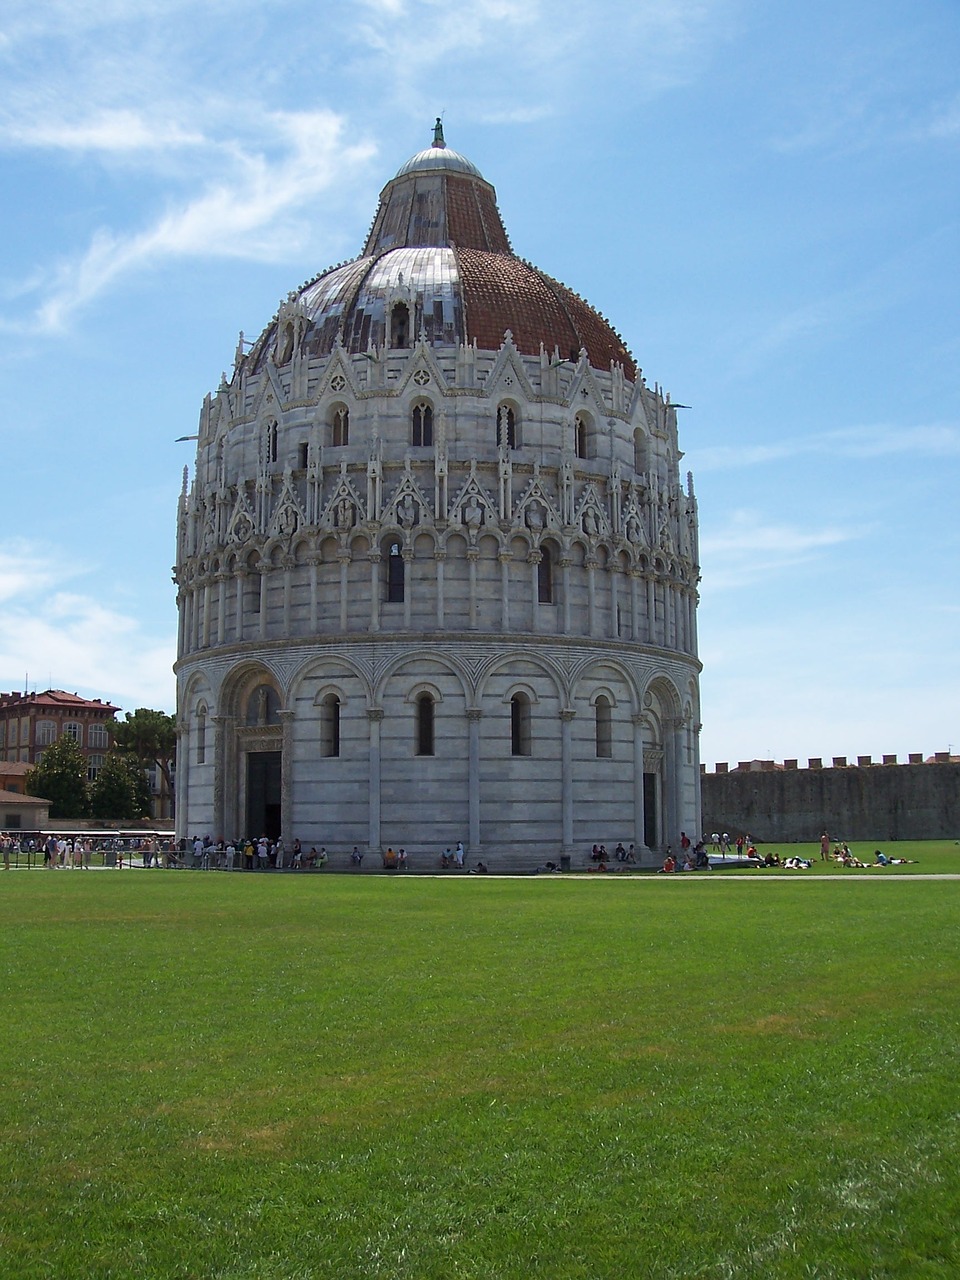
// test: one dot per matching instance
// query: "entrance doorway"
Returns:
(263, 794)
(650, 823)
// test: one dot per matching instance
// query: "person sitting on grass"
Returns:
(669, 865)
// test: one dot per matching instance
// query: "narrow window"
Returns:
(330, 725)
(302, 455)
(545, 576)
(520, 725)
(422, 423)
(640, 460)
(604, 739)
(341, 426)
(395, 568)
(580, 432)
(506, 427)
(201, 735)
(272, 442)
(424, 725)
(400, 326)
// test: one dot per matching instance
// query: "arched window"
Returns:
(201, 734)
(330, 725)
(545, 576)
(74, 731)
(395, 574)
(45, 733)
(507, 426)
(400, 325)
(425, 708)
(520, 725)
(422, 423)
(98, 735)
(604, 732)
(581, 431)
(339, 426)
(94, 765)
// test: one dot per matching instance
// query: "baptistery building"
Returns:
(437, 570)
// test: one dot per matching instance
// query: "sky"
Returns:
(764, 199)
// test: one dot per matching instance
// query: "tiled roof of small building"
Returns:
(56, 698)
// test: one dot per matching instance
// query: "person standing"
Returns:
(459, 855)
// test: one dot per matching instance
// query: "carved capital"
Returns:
(474, 713)
(374, 714)
(567, 714)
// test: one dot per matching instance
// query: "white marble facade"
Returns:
(430, 591)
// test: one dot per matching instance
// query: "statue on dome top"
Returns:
(438, 133)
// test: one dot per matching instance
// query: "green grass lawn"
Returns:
(336, 1076)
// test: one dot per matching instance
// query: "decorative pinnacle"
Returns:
(438, 133)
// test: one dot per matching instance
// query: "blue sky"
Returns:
(763, 198)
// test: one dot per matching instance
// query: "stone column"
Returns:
(533, 560)
(264, 582)
(440, 556)
(344, 558)
(314, 593)
(651, 609)
(375, 590)
(288, 563)
(474, 716)
(220, 724)
(614, 570)
(639, 825)
(566, 779)
(221, 608)
(375, 717)
(183, 778)
(181, 620)
(565, 587)
(472, 556)
(504, 557)
(287, 719)
(591, 596)
(238, 606)
(634, 605)
(407, 557)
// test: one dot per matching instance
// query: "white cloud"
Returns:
(747, 549)
(63, 638)
(248, 211)
(103, 130)
(934, 440)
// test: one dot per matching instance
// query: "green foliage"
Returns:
(61, 778)
(284, 1077)
(121, 789)
(150, 736)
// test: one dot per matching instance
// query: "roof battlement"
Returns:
(838, 762)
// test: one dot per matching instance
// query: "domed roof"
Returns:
(438, 248)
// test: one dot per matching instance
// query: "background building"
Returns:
(30, 722)
(437, 571)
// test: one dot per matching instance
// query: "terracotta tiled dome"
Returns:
(439, 246)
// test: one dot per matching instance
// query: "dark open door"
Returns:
(263, 794)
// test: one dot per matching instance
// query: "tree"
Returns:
(61, 777)
(150, 736)
(121, 789)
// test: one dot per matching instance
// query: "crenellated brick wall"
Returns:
(918, 800)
